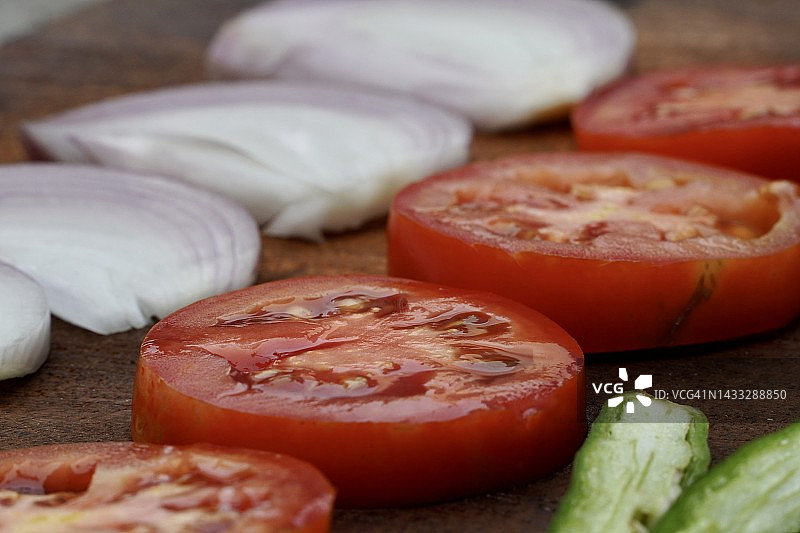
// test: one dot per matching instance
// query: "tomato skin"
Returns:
(765, 146)
(374, 464)
(607, 304)
(119, 486)
(647, 300)
(384, 463)
(766, 151)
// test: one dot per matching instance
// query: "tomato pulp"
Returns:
(624, 251)
(746, 118)
(401, 392)
(121, 486)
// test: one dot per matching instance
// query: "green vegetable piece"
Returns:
(633, 466)
(755, 490)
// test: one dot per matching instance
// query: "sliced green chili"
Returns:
(755, 490)
(633, 466)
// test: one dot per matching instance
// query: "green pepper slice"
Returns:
(633, 466)
(756, 489)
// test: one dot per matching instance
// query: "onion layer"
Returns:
(24, 324)
(112, 249)
(301, 158)
(502, 63)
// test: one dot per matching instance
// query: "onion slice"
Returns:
(24, 324)
(502, 63)
(301, 158)
(112, 249)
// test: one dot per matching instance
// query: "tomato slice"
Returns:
(744, 118)
(122, 486)
(624, 251)
(401, 392)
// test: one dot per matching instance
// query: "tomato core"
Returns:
(314, 345)
(591, 208)
(744, 102)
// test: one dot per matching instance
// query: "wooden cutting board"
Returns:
(83, 392)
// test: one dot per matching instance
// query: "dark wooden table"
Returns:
(83, 392)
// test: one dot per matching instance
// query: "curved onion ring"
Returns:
(301, 158)
(24, 324)
(112, 249)
(502, 63)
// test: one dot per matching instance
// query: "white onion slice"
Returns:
(502, 63)
(113, 250)
(24, 324)
(301, 158)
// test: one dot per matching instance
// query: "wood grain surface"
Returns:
(83, 391)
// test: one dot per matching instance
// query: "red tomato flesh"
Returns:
(400, 392)
(122, 486)
(743, 118)
(623, 251)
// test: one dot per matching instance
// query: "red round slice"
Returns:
(401, 392)
(122, 486)
(623, 251)
(746, 118)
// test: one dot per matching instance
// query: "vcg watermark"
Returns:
(678, 395)
(762, 400)
(643, 381)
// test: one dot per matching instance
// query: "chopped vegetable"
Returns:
(24, 324)
(739, 117)
(632, 466)
(302, 158)
(400, 392)
(125, 487)
(625, 251)
(112, 249)
(501, 63)
(754, 490)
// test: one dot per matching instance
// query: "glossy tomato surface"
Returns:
(624, 251)
(121, 486)
(400, 392)
(747, 118)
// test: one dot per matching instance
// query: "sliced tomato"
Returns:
(400, 392)
(744, 118)
(623, 251)
(121, 486)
